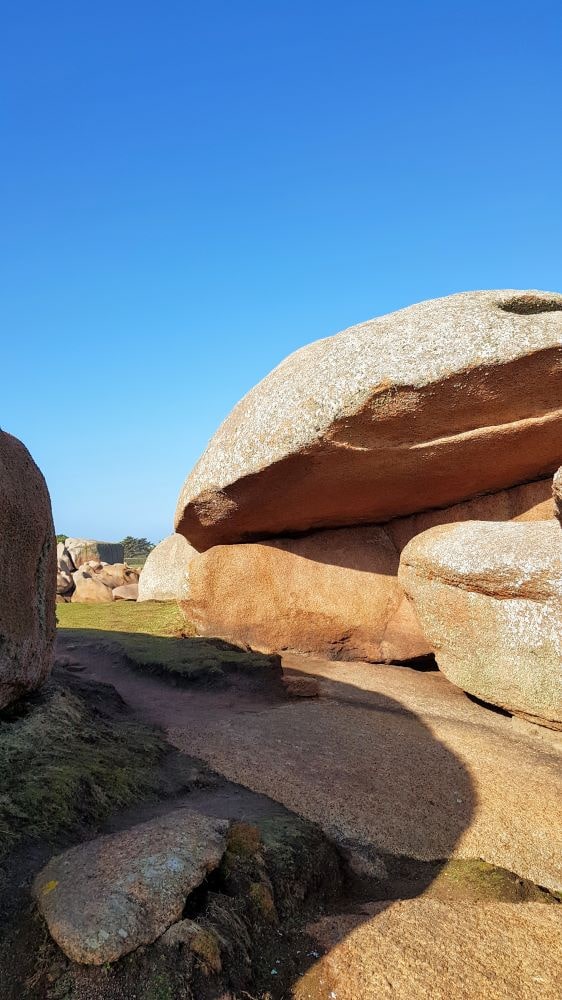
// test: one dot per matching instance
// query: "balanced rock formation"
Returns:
(82, 550)
(423, 408)
(27, 573)
(489, 599)
(332, 593)
(104, 898)
(164, 574)
(88, 589)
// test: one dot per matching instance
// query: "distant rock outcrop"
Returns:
(28, 573)
(164, 574)
(423, 408)
(82, 550)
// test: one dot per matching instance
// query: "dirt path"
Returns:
(387, 757)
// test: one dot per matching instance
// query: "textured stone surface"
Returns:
(557, 490)
(117, 575)
(28, 573)
(422, 408)
(83, 550)
(163, 576)
(393, 758)
(64, 559)
(489, 599)
(435, 949)
(88, 589)
(64, 583)
(106, 897)
(333, 593)
(128, 592)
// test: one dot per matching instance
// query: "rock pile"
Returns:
(93, 581)
(445, 412)
(27, 573)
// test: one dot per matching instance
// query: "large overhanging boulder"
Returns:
(422, 408)
(489, 600)
(28, 573)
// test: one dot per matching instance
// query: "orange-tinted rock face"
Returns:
(424, 408)
(28, 573)
(332, 593)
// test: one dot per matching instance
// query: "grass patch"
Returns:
(149, 617)
(65, 762)
(154, 636)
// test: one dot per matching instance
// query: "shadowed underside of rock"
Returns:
(418, 409)
(489, 599)
(106, 897)
(27, 573)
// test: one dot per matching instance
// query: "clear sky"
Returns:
(191, 190)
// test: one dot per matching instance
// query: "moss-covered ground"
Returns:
(70, 757)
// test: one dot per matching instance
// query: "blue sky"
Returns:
(190, 191)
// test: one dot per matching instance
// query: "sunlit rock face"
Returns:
(489, 599)
(419, 409)
(28, 573)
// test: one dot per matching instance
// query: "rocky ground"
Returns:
(398, 839)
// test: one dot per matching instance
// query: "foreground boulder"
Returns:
(82, 550)
(163, 576)
(28, 575)
(106, 897)
(422, 408)
(331, 593)
(489, 599)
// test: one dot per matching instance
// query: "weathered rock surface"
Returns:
(436, 949)
(106, 897)
(82, 550)
(128, 592)
(117, 575)
(489, 599)
(422, 408)
(164, 574)
(88, 589)
(557, 490)
(333, 593)
(64, 559)
(64, 582)
(397, 759)
(27, 573)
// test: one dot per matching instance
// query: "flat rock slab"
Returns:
(104, 898)
(425, 948)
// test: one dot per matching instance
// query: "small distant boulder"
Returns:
(118, 575)
(104, 898)
(64, 559)
(164, 574)
(28, 573)
(82, 550)
(128, 592)
(88, 589)
(64, 583)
